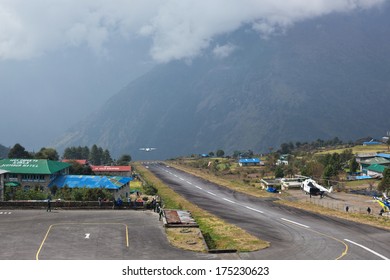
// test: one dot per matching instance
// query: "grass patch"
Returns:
(186, 238)
(358, 149)
(218, 233)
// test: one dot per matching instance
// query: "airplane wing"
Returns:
(380, 201)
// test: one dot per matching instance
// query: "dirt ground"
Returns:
(338, 200)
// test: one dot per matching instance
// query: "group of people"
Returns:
(368, 210)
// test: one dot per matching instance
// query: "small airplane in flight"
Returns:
(147, 149)
(311, 187)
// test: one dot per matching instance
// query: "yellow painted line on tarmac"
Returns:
(336, 239)
(60, 224)
(43, 242)
(327, 236)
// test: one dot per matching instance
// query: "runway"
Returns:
(294, 234)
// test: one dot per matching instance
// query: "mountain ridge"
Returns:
(323, 78)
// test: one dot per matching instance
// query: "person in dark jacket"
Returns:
(48, 209)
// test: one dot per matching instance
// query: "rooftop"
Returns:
(377, 168)
(84, 181)
(387, 156)
(118, 168)
(376, 160)
(249, 160)
(32, 166)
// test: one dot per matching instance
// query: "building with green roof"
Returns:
(376, 160)
(29, 173)
(376, 170)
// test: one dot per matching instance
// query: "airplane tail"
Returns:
(330, 189)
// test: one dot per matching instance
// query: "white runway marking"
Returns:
(295, 223)
(228, 200)
(87, 235)
(198, 187)
(5, 213)
(211, 193)
(368, 249)
(253, 209)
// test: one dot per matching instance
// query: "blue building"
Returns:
(248, 161)
(115, 184)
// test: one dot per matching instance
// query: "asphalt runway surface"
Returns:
(294, 234)
(87, 235)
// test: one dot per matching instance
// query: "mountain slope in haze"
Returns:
(323, 78)
(4, 151)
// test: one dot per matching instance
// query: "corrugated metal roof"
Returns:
(249, 160)
(377, 168)
(32, 166)
(376, 160)
(383, 155)
(81, 181)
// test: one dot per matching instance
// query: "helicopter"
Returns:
(311, 187)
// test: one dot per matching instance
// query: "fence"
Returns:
(342, 206)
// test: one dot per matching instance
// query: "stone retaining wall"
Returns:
(67, 205)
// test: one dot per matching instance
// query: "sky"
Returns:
(60, 60)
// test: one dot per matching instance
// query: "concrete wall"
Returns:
(67, 205)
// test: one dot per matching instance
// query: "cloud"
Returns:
(178, 29)
(223, 51)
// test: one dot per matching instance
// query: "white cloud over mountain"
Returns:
(177, 29)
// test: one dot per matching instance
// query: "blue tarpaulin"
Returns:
(363, 177)
(84, 181)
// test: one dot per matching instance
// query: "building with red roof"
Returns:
(119, 170)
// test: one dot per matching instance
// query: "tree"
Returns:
(220, 153)
(236, 154)
(384, 185)
(95, 156)
(329, 173)
(18, 151)
(124, 160)
(353, 165)
(312, 169)
(106, 157)
(47, 153)
(79, 169)
(279, 172)
(286, 148)
(84, 153)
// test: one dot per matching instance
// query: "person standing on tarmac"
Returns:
(160, 213)
(48, 209)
